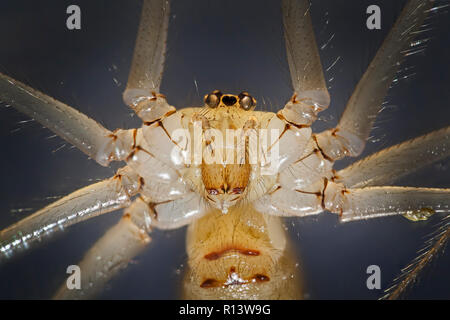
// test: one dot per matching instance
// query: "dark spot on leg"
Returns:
(141, 183)
(134, 139)
(126, 216)
(325, 184)
(131, 155)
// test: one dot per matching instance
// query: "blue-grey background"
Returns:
(226, 45)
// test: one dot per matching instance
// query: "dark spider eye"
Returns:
(246, 101)
(237, 190)
(212, 100)
(213, 192)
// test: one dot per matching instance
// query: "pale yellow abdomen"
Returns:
(240, 255)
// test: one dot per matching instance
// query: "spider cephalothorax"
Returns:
(225, 164)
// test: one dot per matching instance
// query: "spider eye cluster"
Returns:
(217, 98)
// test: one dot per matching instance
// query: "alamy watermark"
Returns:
(374, 20)
(74, 280)
(73, 21)
(374, 280)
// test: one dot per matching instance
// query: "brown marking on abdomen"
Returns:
(210, 283)
(213, 283)
(261, 278)
(217, 254)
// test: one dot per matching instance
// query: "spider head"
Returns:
(217, 99)
(225, 185)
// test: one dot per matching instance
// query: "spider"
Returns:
(318, 100)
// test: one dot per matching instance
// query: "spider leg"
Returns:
(177, 213)
(376, 202)
(356, 204)
(304, 188)
(349, 137)
(142, 91)
(124, 241)
(290, 203)
(112, 252)
(73, 126)
(99, 198)
(300, 181)
(310, 92)
(384, 167)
